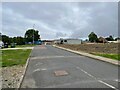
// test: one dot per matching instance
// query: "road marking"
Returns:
(39, 64)
(97, 79)
(107, 84)
(43, 69)
(117, 80)
(37, 70)
(46, 57)
(72, 83)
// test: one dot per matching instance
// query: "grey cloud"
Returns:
(103, 20)
(60, 34)
(55, 20)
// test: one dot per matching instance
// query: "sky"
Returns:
(56, 20)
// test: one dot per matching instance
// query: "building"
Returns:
(67, 41)
(39, 42)
(102, 40)
(47, 42)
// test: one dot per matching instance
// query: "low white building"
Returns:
(68, 41)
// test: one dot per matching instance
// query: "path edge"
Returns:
(25, 69)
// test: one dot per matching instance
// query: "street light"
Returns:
(33, 32)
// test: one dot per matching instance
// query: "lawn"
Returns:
(112, 56)
(14, 57)
(19, 46)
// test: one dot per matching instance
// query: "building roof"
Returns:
(68, 39)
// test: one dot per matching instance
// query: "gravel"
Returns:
(11, 76)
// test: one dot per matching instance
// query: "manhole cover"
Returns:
(60, 73)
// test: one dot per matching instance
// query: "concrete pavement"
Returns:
(82, 72)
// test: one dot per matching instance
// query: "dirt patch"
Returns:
(11, 76)
(110, 48)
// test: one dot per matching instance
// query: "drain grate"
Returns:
(61, 73)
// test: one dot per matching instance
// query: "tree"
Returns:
(5, 39)
(110, 38)
(30, 34)
(118, 38)
(0, 36)
(20, 40)
(93, 37)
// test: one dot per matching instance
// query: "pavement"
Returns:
(51, 67)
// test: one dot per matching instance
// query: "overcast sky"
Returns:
(57, 19)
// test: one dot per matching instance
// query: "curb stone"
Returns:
(22, 77)
(91, 56)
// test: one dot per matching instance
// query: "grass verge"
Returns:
(14, 57)
(111, 56)
(19, 46)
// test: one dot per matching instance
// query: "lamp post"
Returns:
(33, 33)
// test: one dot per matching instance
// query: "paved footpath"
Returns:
(50, 67)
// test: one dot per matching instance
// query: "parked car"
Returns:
(12, 45)
(1, 44)
(6, 45)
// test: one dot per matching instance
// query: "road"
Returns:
(50, 67)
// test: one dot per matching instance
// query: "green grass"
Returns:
(112, 56)
(14, 57)
(19, 46)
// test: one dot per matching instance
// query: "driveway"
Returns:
(50, 67)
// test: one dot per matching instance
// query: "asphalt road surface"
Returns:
(50, 67)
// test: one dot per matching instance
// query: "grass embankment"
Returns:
(112, 56)
(14, 57)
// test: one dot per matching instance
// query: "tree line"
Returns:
(30, 34)
(94, 38)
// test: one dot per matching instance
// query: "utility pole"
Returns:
(33, 33)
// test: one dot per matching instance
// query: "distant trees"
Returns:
(110, 38)
(31, 34)
(28, 37)
(18, 40)
(21, 40)
(93, 37)
(5, 39)
(118, 38)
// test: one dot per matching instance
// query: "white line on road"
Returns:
(117, 80)
(39, 64)
(43, 69)
(107, 84)
(97, 79)
(45, 57)
(37, 70)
